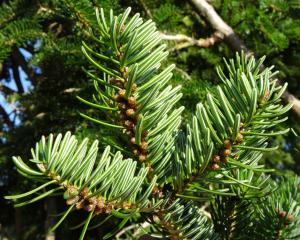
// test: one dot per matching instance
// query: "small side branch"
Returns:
(186, 41)
(219, 25)
(233, 40)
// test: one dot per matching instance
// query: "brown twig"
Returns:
(186, 41)
(219, 25)
(233, 40)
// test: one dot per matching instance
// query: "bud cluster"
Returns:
(96, 204)
(284, 216)
(129, 116)
(222, 156)
(225, 151)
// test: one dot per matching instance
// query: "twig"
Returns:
(232, 39)
(219, 25)
(187, 41)
(203, 210)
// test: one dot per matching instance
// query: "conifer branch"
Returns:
(233, 40)
(217, 143)
(216, 155)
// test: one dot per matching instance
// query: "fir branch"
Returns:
(215, 149)
(235, 42)
(112, 185)
(143, 100)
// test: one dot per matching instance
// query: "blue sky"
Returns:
(12, 85)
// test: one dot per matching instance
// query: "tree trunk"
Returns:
(50, 206)
(18, 222)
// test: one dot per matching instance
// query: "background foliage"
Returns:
(43, 38)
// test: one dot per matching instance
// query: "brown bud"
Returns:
(282, 214)
(144, 145)
(142, 158)
(155, 189)
(100, 202)
(216, 159)
(108, 210)
(122, 106)
(84, 193)
(130, 112)
(236, 157)
(98, 210)
(226, 152)
(89, 207)
(215, 167)
(122, 93)
(80, 205)
(115, 81)
(145, 134)
(239, 138)
(136, 152)
(225, 160)
(290, 217)
(72, 200)
(132, 140)
(129, 133)
(93, 200)
(116, 97)
(134, 87)
(131, 101)
(129, 124)
(227, 144)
